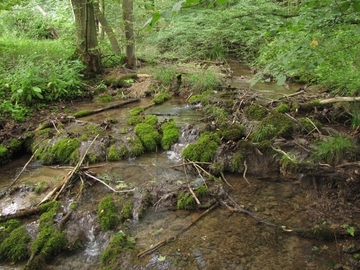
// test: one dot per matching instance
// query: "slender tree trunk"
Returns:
(86, 35)
(106, 26)
(128, 17)
(102, 11)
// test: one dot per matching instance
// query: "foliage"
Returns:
(113, 154)
(185, 200)
(204, 149)
(119, 242)
(170, 134)
(205, 80)
(334, 150)
(151, 119)
(134, 120)
(256, 112)
(319, 43)
(165, 75)
(107, 214)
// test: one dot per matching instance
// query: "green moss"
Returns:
(14, 247)
(134, 120)
(288, 166)
(63, 149)
(3, 151)
(82, 113)
(127, 209)
(274, 125)
(93, 129)
(15, 144)
(171, 134)
(161, 98)
(106, 215)
(7, 227)
(201, 191)
(148, 135)
(233, 133)
(237, 162)
(256, 112)
(151, 120)
(117, 244)
(40, 187)
(282, 108)
(136, 147)
(307, 124)
(45, 131)
(185, 200)
(113, 154)
(204, 149)
(136, 111)
(105, 98)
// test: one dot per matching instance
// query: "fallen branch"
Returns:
(21, 213)
(23, 169)
(244, 173)
(339, 99)
(108, 108)
(163, 242)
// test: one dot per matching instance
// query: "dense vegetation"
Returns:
(312, 42)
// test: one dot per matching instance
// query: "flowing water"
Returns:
(221, 239)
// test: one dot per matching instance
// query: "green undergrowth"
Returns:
(112, 211)
(14, 241)
(118, 243)
(335, 150)
(204, 149)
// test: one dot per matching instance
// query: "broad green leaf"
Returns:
(166, 14)
(221, 2)
(281, 78)
(344, 6)
(36, 89)
(178, 5)
(356, 6)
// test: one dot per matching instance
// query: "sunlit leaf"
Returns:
(281, 78)
(161, 258)
(178, 5)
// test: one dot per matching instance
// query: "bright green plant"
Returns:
(161, 98)
(107, 214)
(165, 75)
(171, 134)
(334, 150)
(148, 135)
(204, 149)
(205, 80)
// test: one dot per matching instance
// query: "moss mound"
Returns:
(171, 134)
(107, 214)
(204, 149)
(148, 135)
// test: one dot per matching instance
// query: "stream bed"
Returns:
(221, 239)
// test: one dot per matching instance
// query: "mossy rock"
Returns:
(119, 242)
(14, 240)
(237, 162)
(282, 108)
(134, 120)
(136, 111)
(116, 153)
(151, 120)
(82, 113)
(171, 134)
(161, 98)
(204, 149)
(148, 135)
(272, 126)
(61, 152)
(233, 133)
(256, 112)
(107, 214)
(136, 147)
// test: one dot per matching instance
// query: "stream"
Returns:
(220, 240)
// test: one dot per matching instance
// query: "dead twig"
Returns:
(23, 169)
(189, 187)
(223, 177)
(244, 173)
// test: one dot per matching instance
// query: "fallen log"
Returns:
(21, 213)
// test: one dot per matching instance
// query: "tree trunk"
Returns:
(106, 26)
(102, 11)
(128, 17)
(86, 35)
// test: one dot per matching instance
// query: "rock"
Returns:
(338, 266)
(351, 248)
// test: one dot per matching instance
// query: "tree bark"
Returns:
(86, 35)
(106, 26)
(102, 11)
(128, 17)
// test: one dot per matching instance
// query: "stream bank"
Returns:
(300, 198)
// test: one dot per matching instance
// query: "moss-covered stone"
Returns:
(233, 133)
(170, 134)
(204, 149)
(134, 120)
(256, 112)
(148, 135)
(151, 120)
(136, 147)
(105, 98)
(107, 214)
(136, 111)
(63, 149)
(185, 200)
(161, 98)
(127, 210)
(237, 162)
(282, 108)
(115, 154)
(82, 113)
(119, 242)
(14, 248)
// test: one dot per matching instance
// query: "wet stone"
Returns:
(176, 227)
